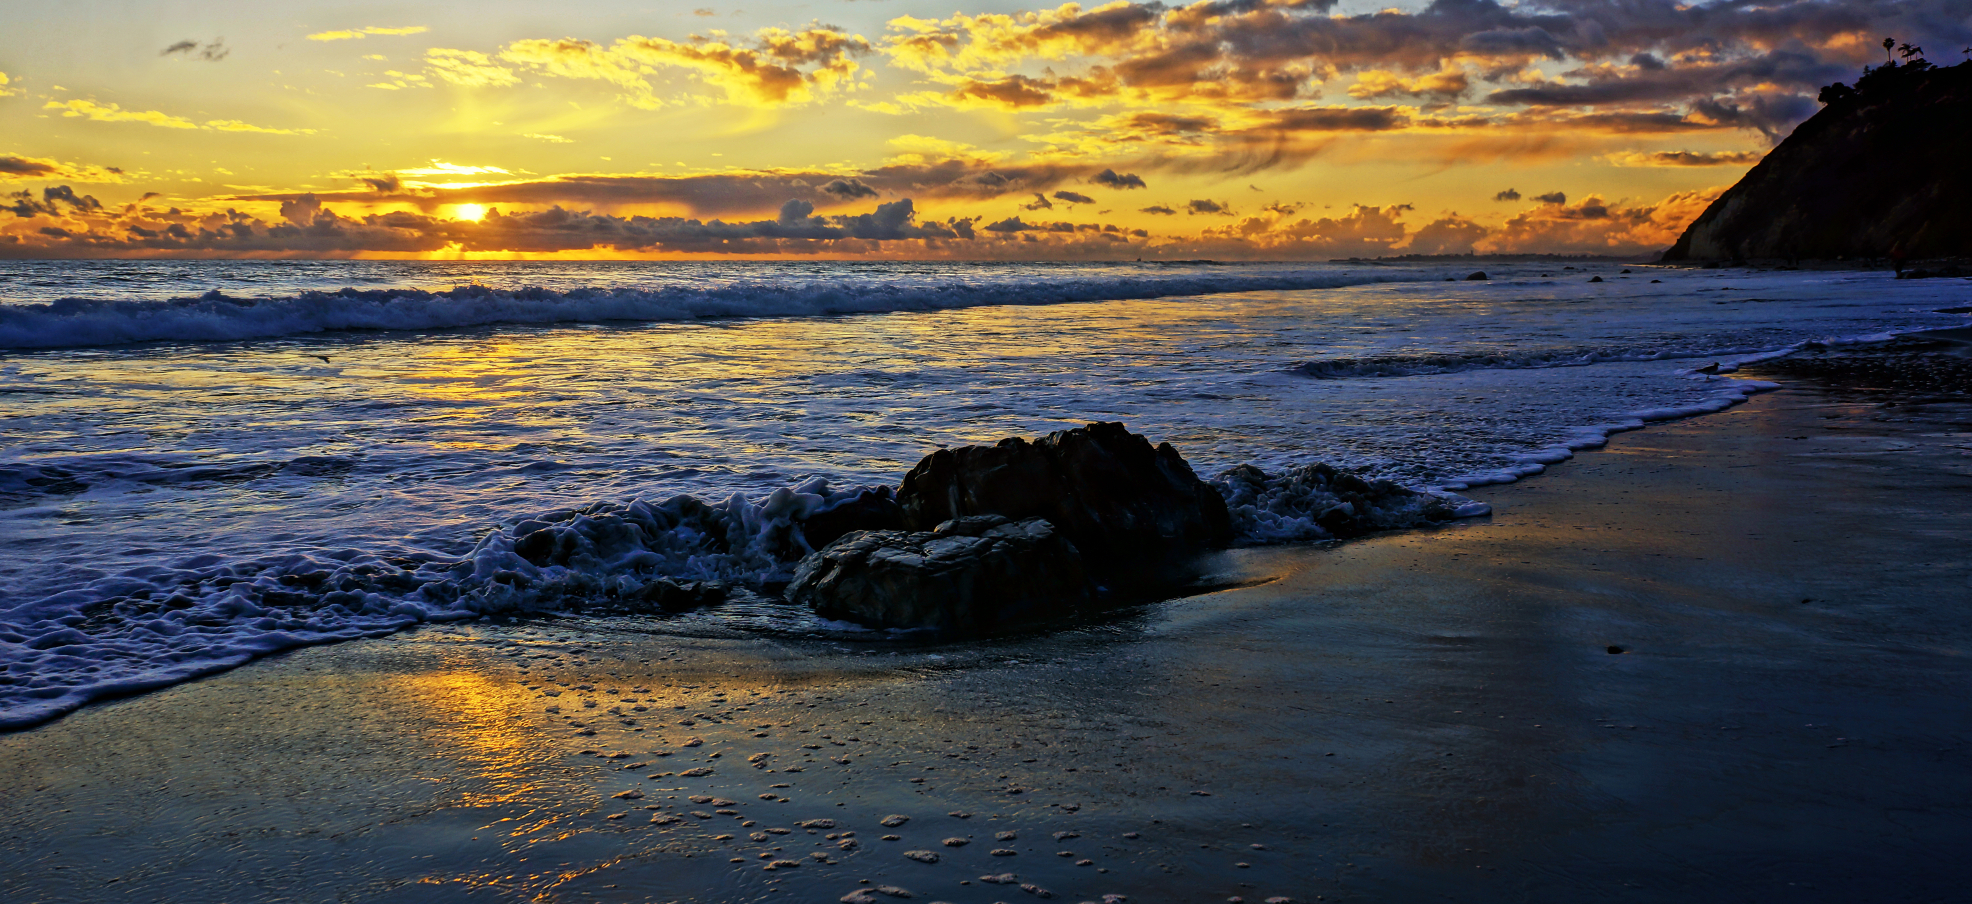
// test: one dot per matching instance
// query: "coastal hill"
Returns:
(1881, 171)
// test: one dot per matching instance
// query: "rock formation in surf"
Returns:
(1021, 529)
(966, 575)
(1125, 504)
(1879, 172)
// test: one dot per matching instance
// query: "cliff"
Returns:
(1885, 169)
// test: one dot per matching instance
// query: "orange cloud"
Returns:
(468, 68)
(356, 34)
(779, 67)
(17, 168)
(98, 112)
(1596, 226)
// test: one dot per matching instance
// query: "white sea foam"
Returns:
(77, 322)
(162, 624)
(1725, 394)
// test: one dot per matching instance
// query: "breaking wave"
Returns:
(75, 323)
(163, 624)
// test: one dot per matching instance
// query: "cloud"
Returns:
(744, 192)
(360, 33)
(234, 125)
(1113, 179)
(1204, 205)
(1508, 195)
(17, 168)
(96, 112)
(776, 67)
(1597, 226)
(1447, 235)
(99, 112)
(1553, 197)
(1363, 232)
(468, 68)
(53, 200)
(1158, 210)
(441, 168)
(1444, 85)
(1584, 66)
(848, 189)
(211, 52)
(1770, 113)
(551, 139)
(1015, 92)
(4, 90)
(1073, 197)
(1687, 158)
(795, 210)
(1040, 202)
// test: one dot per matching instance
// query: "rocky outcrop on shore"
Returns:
(966, 575)
(1018, 530)
(1124, 503)
(1880, 172)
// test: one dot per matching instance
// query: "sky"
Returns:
(951, 129)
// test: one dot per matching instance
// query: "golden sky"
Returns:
(1259, 129)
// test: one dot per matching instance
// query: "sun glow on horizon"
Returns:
(473, 212)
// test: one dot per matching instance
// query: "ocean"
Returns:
(206, 462)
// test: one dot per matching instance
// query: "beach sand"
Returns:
(1421, 716)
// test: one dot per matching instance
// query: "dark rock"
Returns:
(869, 510)
(1879, 172)
(1613, 649)
(1133, 510)
(1477, 275)
(1595, 279)
(967, 575)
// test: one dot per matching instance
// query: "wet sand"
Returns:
(1423, 716)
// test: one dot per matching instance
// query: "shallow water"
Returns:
(317, 460)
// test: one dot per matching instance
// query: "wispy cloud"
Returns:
(354, 34)
(468, 68)
(101, 112)
(211, 52)
(1687, 158)
(18, 168)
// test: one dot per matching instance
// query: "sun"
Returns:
(469, 211)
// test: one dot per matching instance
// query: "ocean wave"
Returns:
(213, 317)
(1412, 365)
(161, 624)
